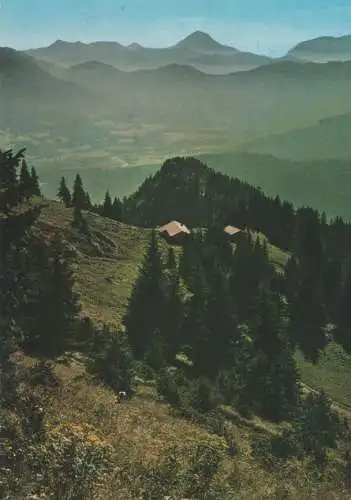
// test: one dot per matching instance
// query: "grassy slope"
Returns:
(107, 266)
(142, 430)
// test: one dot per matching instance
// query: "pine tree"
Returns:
(25, 182)
(244, 282)
(35, 185)
(343, 332)
(114, 362)
(171, 260)
(88, 204)
(78, 197)
(56, 309)
(107, 206)
(117, 209)
(220, 322)
(273, 384)
(9, 163)
(281, 394)
(64, 194)
(173, 317)
(308, 319)
(145, 312)
(79, 221)
(14, 263)
(291, 279)
(195, 329)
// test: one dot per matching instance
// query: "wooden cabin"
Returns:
(174, 232)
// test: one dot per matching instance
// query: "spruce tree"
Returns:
(171, 263)
(78, 197)
(79, 221)
(145, 312)
(291, 279)
(114, 363)
(308, 319)
(343, 330)
(117, 209)
(244, 280)
(88, 204)
(35, 185)
(107, 206)
(14, 265)
(9, 163)
(273, 384)
(56, 310)
(220, 322)
(195, 329)
(64, 194)
(25, 182)
(173, 317)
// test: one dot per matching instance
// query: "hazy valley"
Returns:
(100, 108)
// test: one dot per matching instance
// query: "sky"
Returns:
(263, 26)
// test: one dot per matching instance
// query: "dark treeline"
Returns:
(80, 200)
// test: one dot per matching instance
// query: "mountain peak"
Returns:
(199, 40)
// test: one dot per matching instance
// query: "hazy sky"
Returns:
(264, 26)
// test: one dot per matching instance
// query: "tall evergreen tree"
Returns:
(114, 362)
(14, 264)
(145, 312)
(107, 206)
(88, 204)
(9, 163)
(64, 194)
(244, 280)
(220, 321)
(25, 182)
(35, 185)
(56, 309)
(117, 209)
(308, 319)
(173, 317)
(195, 330)
(343, 332)
(78, 197)
(171, 260)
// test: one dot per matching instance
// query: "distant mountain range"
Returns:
(323, 49)
(198, 49)
(270, 99)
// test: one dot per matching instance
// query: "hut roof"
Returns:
(173, 228)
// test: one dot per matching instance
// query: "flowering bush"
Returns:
(71, 463)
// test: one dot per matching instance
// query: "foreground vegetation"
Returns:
(203, 345)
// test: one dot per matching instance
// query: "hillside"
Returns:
(323, 184)
(24, 80)
(198, 50)
(323, 49)
(329, 138)
(107, 261)
(106, 265)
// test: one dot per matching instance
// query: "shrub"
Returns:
(113, 362)
(42, 374)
